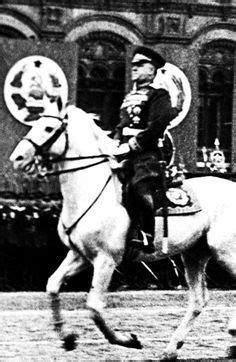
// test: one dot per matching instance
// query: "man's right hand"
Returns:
(122, 150)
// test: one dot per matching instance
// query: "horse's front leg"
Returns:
(104, 266)
(198, 298)
(71, 265)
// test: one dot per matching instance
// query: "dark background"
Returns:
(30, 251)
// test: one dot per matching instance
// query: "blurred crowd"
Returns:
(30, 251)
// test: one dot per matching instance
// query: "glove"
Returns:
(122, 150)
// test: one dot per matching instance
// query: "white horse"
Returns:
(94, 223)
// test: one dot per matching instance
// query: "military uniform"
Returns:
(145, 113)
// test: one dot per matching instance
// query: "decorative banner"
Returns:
(34, 86)
(176, 83)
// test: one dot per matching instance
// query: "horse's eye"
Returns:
(48, 129)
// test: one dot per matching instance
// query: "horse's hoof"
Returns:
(231, 352)
(169, 356)
(180, 344)
(69, 342)
(135, 343)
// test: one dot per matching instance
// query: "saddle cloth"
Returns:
(181, 200)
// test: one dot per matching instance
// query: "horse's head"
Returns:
(42, 140)
(51, 138)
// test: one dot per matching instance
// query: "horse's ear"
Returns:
(59, 104)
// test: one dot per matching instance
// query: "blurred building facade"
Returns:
(92, 41)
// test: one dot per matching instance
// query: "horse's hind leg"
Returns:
(227, 258)
(71, 265)
(223, 247)
(232, 332)
(195, 265)
(104, 266)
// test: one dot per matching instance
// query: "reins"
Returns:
(42, 174)
(42, 150)
(80, 158)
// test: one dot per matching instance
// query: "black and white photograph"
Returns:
(118, 180)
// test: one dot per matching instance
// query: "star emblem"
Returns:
(37, 63)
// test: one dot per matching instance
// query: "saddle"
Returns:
(180, 200)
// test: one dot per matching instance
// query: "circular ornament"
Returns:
(177, 196)
(171, 78)
(33, 87)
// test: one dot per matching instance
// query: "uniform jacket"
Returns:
(148, 110)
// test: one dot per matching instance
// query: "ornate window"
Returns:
(101, 78)
(216, 98)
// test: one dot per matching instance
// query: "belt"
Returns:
(127, 131)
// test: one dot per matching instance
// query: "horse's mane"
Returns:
(105, 144)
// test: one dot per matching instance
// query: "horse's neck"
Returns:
(81, 188)
(86, 138)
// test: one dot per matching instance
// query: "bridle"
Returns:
(43, 149)
(42, 158)
(44, 162)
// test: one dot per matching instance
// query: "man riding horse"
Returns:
(144, 115)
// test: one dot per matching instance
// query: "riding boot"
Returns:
(141, 234)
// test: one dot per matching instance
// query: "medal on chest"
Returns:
(134, 103)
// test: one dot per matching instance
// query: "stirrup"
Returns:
(145, 237)
(143, 244)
